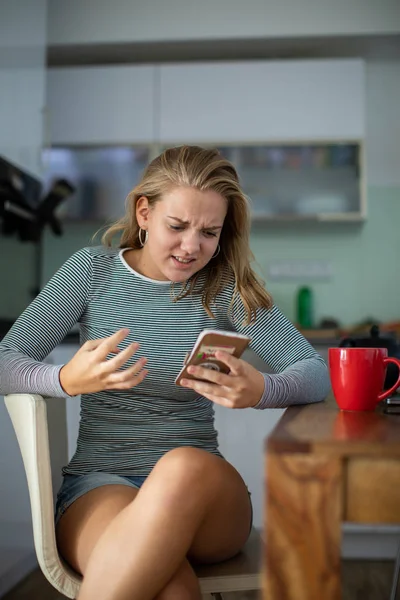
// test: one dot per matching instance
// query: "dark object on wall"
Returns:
(22, 211)
(375, 340)
(25, 213)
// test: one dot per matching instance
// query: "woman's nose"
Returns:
(190, 242)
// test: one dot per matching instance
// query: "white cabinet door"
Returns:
(262, 100)
(96, 105)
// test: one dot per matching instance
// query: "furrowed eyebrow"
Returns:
(182, 222)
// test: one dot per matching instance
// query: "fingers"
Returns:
(128, 378)
(131, 383)
(109, 370)
(122, 357)
(209, 375)
(216, 394)
(232, 362)
(243, 389)
(205, 388)
(130, 371)
(108, 345)
(93, 344)
(116, 338)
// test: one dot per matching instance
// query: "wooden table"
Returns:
(324, 466)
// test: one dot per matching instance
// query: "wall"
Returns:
(23, 26)
(383, 124)
(90, 21)
(363, 260)
(22, 81)
(359, 287)
(363, 257)
(22, 77)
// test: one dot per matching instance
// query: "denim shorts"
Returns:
(75, 486)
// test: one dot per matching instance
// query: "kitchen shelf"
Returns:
(310, 181)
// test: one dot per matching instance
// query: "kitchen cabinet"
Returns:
(213, 102)
(293, 128)
(262, 101)
(93, 105)
(302, 181)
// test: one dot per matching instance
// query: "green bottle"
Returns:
(305, 308)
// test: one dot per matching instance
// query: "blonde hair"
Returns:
(203, 169)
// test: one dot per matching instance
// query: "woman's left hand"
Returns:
(241, 388)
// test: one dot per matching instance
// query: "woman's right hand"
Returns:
(90, 371)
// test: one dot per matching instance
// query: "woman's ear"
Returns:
(142, 211)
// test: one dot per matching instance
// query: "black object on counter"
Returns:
(375, 340)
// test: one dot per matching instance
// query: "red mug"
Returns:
(357, 376)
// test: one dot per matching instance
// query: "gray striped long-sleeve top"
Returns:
(127, 431)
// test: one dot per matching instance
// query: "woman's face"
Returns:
(184, 229)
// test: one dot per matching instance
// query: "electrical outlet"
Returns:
(304, 270)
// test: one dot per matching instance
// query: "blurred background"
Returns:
(302, 95)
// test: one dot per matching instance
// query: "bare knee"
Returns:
(188, 464)
(188, 477)
(195, 479)
(184, 585)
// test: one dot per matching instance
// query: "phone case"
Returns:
(208, 342)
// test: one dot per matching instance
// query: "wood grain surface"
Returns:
(373, 490)
(324, 466)
(303, 514)
(322, 427)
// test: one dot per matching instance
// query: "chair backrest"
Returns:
(28, 414)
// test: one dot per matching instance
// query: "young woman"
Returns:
(147, 492)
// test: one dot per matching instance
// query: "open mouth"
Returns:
(183, 262)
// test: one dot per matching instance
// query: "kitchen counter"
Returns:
(328, 342)
(317, 338)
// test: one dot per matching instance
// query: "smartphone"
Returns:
(208, 342)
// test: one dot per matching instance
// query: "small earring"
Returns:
(146, 236)
(217, 251)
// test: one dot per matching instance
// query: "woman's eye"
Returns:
(176, 227)
(210, 234)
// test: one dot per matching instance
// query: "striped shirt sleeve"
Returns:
(300, 373)
(41, 327)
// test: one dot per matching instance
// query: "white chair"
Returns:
(396, 571)
(28, 414)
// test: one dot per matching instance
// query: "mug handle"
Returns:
(394, 387)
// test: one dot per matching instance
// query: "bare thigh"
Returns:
(191, 477)
(198, 478)
(226, 527)
(81, 526)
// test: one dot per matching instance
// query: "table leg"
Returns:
(303, 527)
